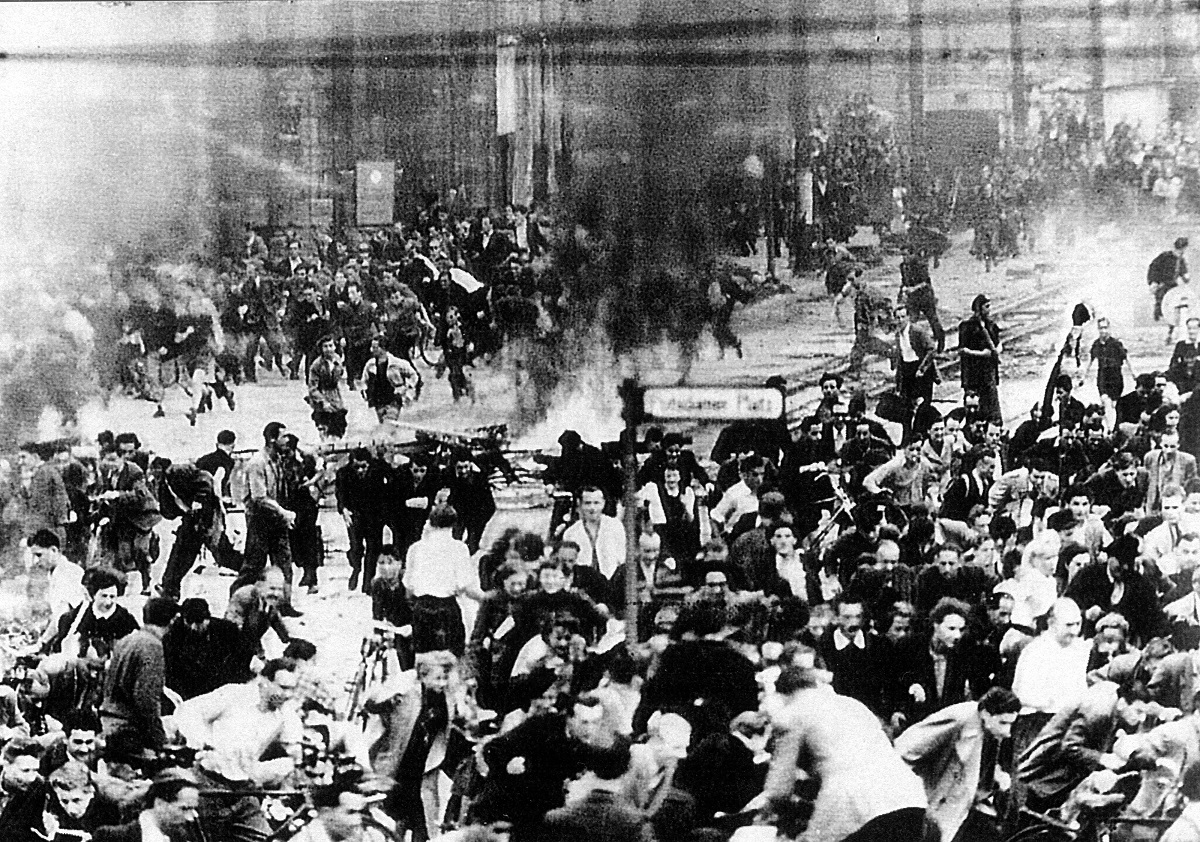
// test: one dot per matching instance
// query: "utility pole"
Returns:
(631, 413)
(1020, 97)
(1095, 54)
(916, 75)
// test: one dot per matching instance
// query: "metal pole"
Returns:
(629, 468)
(770, 194)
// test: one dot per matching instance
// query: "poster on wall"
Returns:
(375, 192)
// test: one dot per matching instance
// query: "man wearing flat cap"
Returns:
(979, 350)
(1113, 584)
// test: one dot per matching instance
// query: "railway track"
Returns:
(1029, 315)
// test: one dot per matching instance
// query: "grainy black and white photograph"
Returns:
(599, 421)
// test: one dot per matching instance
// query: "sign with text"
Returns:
(375, 192)
(726, 403)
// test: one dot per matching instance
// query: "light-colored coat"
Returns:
(945, 750)
(839, 740)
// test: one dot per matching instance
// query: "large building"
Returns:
(342, 112)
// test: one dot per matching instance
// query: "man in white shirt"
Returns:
(439, 570)
(233, 726)
(66, 591)
(601, 538)
(742, 497)
(1160, 542)
(1051, 674)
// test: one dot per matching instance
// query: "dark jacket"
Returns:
(855, 671)
(694, 671)
(198, 663)
(600, 817)
(551, 759)
(721, 775)
(1139, 604)
(1070, 746)
(133, 685)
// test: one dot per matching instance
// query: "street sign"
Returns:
(724, 403)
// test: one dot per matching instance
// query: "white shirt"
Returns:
(531, 653)
(791, 570)
(737, 501)
(1049, 676)
(150, 829)
(658, 515)
(1186, 609)
(608, 552)
(840, 641)
(438, 565)
(232, 720)
(907, 354)
(66, 590)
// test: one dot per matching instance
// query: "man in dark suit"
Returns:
(488, 249)
(726, 770)
(1164, 273)
(262, 300)
(529, 765)
(189, 495)
(1077, 741)
(132, 511)
(471, 496)
(363, 499)
(1068, 410)
(850, 655)
(602, 814)
(174, 798)
(1096, 585)
(914, 360)
(931, 673)
(971, 488)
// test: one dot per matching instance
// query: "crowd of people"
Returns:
(929, 629)
(364, 310)
(911, 624)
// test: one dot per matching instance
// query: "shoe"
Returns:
(289, 611)
(159, 413)
(312, 589)
(294, 375)
(231, 403)
(191, 417)
(353, 583)
(146, 591)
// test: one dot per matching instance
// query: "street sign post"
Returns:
(693, 403)
(712, 403)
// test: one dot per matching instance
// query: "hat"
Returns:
(1124, 549)
(672, 439)
(978, 302)
(194, 610)
(570, 437)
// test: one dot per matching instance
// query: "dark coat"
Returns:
(693, 671)
(914, 665)
(551, 758)
(720, 773)
(600, 817)
(855, 671)
(1139, 604)
(1068, 749)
